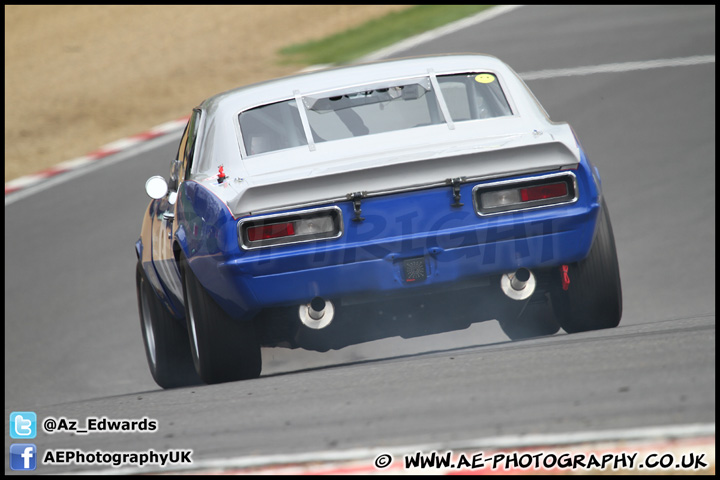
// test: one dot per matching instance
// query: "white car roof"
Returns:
(332, 78)
(275, 180)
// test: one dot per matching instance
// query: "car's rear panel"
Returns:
(423, 232)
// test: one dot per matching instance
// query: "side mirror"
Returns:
(156, 187)
(174, 175)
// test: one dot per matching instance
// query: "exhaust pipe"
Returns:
(519, 285)
(317, 314)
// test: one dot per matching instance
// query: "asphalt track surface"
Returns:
(73, 346)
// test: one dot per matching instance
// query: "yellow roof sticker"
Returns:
(485, 78)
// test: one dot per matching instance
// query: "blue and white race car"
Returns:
(404, 197)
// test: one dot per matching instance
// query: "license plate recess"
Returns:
(414, 269)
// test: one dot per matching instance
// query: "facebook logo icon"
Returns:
(23, 425)
(23, 456)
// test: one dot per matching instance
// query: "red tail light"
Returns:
(265, 232)
(541, 192)
(522, 194)
(324, 223)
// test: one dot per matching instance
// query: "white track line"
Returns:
(412, 42)
(619, 67)
(38, 182)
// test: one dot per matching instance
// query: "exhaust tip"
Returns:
(519, 285)
(522, 275)
(317, 314)
(317, 304)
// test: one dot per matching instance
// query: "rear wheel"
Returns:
(223, 349)
(166, 341)
(593, 299)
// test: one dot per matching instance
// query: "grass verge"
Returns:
(376, 34)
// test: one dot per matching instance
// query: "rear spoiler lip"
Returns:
(403, 189)
(387, 179)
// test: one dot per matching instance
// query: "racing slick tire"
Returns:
(535, 320)
(223, 350)
(166, 341)
(593, 300)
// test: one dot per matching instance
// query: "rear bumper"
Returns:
(345, 273)
(367, 262)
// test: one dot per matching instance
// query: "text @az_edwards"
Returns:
(99, 424)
